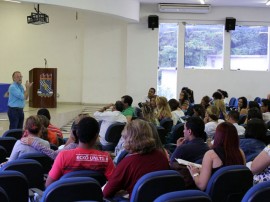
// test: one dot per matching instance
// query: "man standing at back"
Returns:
(128, 111)
(16, 100)
(85, 156)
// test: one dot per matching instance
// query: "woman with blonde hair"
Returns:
(163, 108)
(211, 120)
(144, 157)
(221, 108)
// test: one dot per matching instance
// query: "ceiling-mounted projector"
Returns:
(37, 18)
(184, 8)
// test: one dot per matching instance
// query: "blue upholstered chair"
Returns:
(73, 189)
(229, 184)
(15, 185)
(43, 159)
(30, 168)
(258, 193)
(113, 135)
(3, 195)
(154, 184)
(100, 177)
(16, 133)
(8, 143)
(3, 154)
(184, 196)
(166, 123)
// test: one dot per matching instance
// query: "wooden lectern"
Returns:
(44, 89)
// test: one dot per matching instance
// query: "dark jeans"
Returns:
(16, 117)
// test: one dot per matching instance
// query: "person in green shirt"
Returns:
(128, 111)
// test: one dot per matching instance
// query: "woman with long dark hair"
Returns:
(225, 152)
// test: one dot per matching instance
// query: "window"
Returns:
(249, 48)
(167, 60)
(204, 46)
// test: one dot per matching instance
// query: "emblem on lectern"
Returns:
(45, 85)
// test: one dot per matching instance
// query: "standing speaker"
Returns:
(153, 21)
(230, 24)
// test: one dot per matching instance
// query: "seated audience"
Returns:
(48, 135)
(216, 96)
(129, 111)
(221, 108)
(163, 108)
(51, 127)
(255, 137)
(205, 102)
(211, 120)
(242, 105)
(177, 113)
(260, 166)
(254, 113)
(148, 114)
(84, 156)
(190, 94)
(151, 94)
(32, 128)
(224, 96)
(199, 111)
(72, 142)
(265, 108)
(225, 152)
(233, 117)
(144, 158)
(184, 101)
(191, 147)
(108, 118)
(253, 104)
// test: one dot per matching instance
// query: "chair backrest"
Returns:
(3, 154)
(162, 133)
(242, 119)
(258, 193)
(16, 133)
(8, 143)
(177, 132)
(154, 184)
(258, 100)
(233, 102)
(100, 177)
(184, 196)
(3, 195)
(113, 133)
(30, 168)
(73, 189)
(15, 185)
(167, 123)
(230, 183)
(43, 159)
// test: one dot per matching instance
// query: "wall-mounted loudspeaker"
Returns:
(153, 21)
(230, 24)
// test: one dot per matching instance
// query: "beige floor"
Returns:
(60, 116)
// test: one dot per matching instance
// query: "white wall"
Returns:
(25, 46)
(143, 42)
(100, 57)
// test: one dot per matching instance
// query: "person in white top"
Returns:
(233, 117)
(177, 113)
(108, 118)
(211, 120)
(265, 109)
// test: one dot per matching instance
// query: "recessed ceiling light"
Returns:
(268, 3)
(203, 1)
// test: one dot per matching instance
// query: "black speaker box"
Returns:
(153, 21)
(230, 24)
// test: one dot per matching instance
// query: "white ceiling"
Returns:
(242, 3)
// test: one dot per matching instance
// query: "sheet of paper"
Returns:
(184, 162)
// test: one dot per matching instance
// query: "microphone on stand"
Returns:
(45, 62)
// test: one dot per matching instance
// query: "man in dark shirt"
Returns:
(191, 147)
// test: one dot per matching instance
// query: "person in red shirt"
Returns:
(85, 156)
(143, 158)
